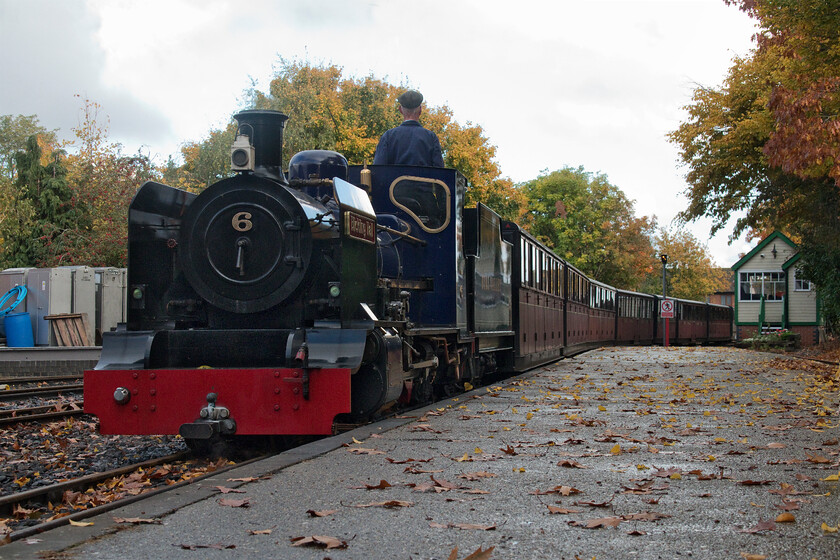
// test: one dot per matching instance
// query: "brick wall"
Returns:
(810, 335)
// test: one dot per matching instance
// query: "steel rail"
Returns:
(17, 415)
(47, 391)
(91, 512)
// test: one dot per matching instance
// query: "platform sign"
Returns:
(666, 309)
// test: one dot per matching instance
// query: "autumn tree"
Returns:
(205, 162)
(330, 112)
(691, 271)
(104, 181)
(766, 144)
(592, 224)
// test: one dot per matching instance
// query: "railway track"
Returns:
(41, 392)
(54, 493)
(47, 412)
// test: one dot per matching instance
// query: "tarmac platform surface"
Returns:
(617, 453)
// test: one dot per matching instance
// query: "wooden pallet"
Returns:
(70, 329)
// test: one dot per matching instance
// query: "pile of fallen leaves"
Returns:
(137, 482)
(33, 455)
(828, 351)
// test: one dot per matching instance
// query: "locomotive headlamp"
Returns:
(242, 154)
(335, 291)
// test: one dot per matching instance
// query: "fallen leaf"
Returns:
(646, 516)
(562, 490)
(476, 475)
(760, 526)
(260, 531)
(478, 554)
(225, 490)
(135, 520)
(80, 523)
(598, 523)
(593, 504)
(828, 529)
(571, 464)
(785, 518)
(365, 451)
(383, 484)
(217, 546)
(404, 461)
(319, 541)
(386, 504)
(473, 526)
(415, 470)
(243, 503)
(562, 511)
(753, 556)
(321, 513)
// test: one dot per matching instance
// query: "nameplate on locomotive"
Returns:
(360, 227)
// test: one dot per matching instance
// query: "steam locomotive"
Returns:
(284, 304)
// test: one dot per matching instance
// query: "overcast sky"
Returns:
(553, 83)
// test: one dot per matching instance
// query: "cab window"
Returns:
(425, 200)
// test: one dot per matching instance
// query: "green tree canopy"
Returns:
(592, 224)
(15, 130)
(49, 227)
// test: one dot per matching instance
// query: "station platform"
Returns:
(47, 361)
(616, 453)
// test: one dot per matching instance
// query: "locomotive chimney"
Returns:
(265, 130)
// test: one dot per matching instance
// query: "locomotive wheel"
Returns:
(246, 244)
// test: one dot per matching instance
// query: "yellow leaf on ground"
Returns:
(80, 523)
(616, 450)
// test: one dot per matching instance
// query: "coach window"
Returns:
(425, 200)
(532, 271)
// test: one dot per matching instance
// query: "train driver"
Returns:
(409, 143)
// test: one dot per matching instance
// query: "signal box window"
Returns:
(801, 284)
(755, 284)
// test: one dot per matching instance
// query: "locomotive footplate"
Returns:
(199, 403)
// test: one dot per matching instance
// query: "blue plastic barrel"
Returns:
(18, 330)
(18, 292)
